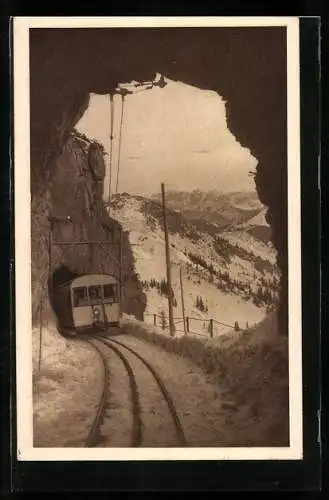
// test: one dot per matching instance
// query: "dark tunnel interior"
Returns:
(61, 275)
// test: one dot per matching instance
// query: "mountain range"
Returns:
(214, 211)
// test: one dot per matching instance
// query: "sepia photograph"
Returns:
(157, 238)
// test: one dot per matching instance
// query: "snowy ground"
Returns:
(66, 390)
(202, 408)
(66, 399)
(223, 308)
(249, 373)
(242, 401)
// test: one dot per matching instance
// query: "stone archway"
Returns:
(246, 66)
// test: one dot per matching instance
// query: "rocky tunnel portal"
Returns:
(245, 66)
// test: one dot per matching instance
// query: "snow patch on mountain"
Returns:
(258, 220)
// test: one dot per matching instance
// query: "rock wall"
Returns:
(74, 191)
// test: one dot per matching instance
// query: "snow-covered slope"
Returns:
(226, 272)
(258, 227)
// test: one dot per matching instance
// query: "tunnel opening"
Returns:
(148, 126)
(59, 277)
(256, 99)
(206, 111)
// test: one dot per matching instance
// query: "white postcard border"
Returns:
(22, 208)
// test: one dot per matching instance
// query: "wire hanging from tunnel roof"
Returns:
(161, 83)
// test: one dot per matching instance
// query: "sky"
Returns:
(177, 135)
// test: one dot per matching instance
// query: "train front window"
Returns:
(95, 292)
(109, 291)
(80, 294)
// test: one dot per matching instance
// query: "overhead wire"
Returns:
(124, 92)
(149, 85)
(120, 141)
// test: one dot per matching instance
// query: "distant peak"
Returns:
(213, 192)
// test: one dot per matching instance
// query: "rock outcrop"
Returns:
(71, 200)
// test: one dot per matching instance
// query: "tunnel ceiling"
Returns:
(246, 66)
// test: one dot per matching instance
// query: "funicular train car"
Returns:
(89, 302)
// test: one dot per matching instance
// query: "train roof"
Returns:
(90, 279)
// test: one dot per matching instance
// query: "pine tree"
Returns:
(163, 320)
(260, 295)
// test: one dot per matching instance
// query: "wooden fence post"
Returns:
(182, 297)
(211, 328)
(187, 324)
(168, 264)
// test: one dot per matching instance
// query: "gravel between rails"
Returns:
(118, 428)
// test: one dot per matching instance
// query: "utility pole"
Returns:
(170, 305)
(121, 267)
(182, 297)
(111, 148)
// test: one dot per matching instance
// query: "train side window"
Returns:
(109, 291)
(95, 292)
(80, 294)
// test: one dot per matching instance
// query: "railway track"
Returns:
(136, 438)
(166, 395)
(96, 424)
(137, 434)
